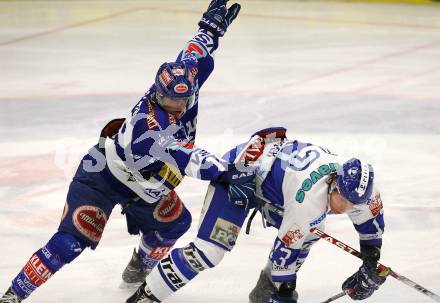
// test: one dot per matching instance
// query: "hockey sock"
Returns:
(61, 249)
(180, 266)
(152, 248)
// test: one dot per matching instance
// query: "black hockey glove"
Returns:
(240, 182)
(218, 17)
(366, 280)
(285, 294)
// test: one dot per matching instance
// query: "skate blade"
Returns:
(125, 285)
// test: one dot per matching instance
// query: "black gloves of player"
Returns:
(218, 17)
(240, 183)
(366, 280)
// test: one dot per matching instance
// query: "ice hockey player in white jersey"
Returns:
(138, 162)
(295, 187)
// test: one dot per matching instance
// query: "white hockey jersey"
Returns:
(292, 180)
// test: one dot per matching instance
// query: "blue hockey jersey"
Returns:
(153, 150)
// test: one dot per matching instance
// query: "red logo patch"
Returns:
(169, 208)
(254, 150)
(36, 271)
(90, 221)
(181, 88)
(165, 78)
(292, 236)
(159, 252)
(192, 47)
(376, 205)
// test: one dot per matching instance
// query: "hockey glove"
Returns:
(218, 17)
(366, 280)
(240, 183)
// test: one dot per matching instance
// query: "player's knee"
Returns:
(210, 253)
(180, 226)
(65, 247)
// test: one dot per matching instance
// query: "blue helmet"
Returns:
(177, 79)
(355, 181)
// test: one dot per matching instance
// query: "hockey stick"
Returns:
(335, 297)
(381, 267)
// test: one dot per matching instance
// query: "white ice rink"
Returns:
(361, 79)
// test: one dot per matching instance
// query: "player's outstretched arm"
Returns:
(213, 24)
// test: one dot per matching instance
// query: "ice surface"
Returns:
(361, 79)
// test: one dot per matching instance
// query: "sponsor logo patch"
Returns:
(292, 236)
(194, 48)
(154, 193)
(169, 208)
(151, 117)
(171, 174)
(181, 88)
(225, 233)
(255, 150)
(319, 220)
(90, 222)
(376, 205)
(159, 252)
(189, 254)
(24, 284)
(178, 71)
(279, 268)
(165, 78)
(167, 265)
(36, 271)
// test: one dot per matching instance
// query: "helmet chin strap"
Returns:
(331, 187)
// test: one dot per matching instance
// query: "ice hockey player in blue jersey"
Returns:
(295, 186)
(137, 163)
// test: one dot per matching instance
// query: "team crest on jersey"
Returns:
(292, 236)
(376, 205)
(90, 222)
(169, 208)
(225, 233)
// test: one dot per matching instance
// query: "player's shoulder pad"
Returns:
(272, 132)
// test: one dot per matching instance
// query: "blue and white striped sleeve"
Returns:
(368, 220)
